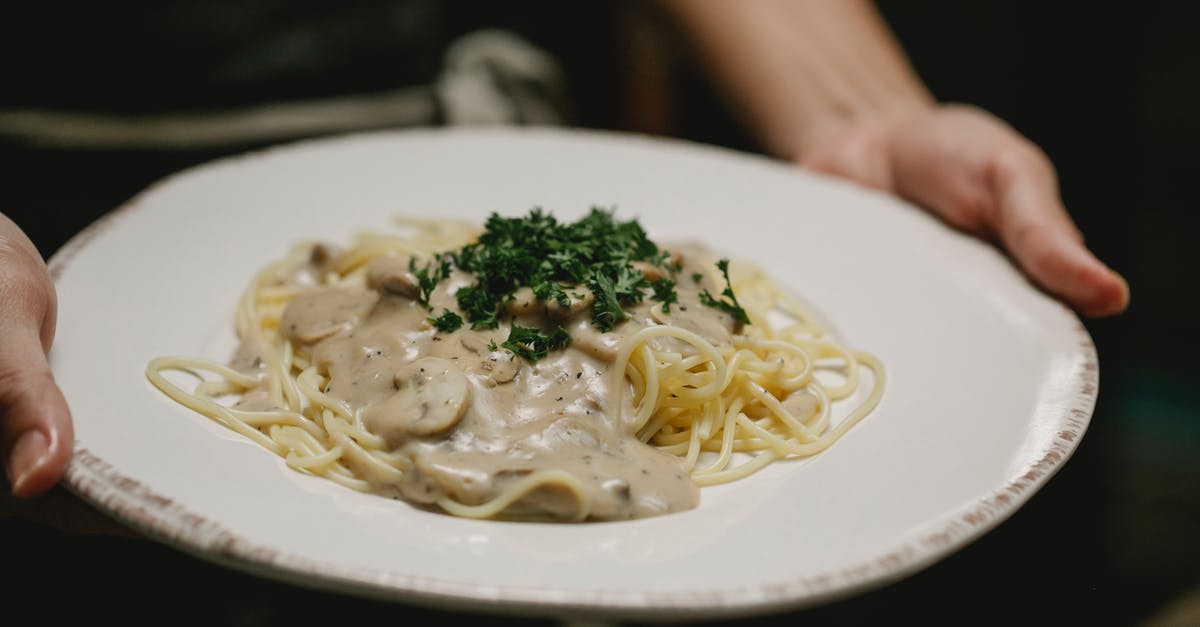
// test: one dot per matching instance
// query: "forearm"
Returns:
(799, 71)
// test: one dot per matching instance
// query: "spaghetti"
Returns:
(347, 372)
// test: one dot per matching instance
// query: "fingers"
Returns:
(1032, 224)
(35, 425)
(980, 175)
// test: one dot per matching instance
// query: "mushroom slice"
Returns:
(431, 396)
(322, 312)
(497, 366)
(523, 302)
(390, 275)
(581, 301)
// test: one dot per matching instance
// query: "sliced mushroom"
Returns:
(587, 338)
(498, 366)
(431, 397)
(523, 302)
(650, 271)
(390, 275)
(322, 312)
(581, 300)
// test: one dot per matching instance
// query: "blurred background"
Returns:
(99, 101)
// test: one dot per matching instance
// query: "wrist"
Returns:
(801, 71)
(829, 124)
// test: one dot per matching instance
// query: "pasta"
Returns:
(611, 389)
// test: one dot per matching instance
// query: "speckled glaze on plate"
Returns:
(991, 383)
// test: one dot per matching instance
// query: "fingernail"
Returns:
(27, 455)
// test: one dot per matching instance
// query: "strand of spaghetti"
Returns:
(372, 444)
(767, 439)
(362, 436)
(805, 373)
(290, 392)
(801, 431)
(316, 462)
(727, 437)
(851, 419)
(356, 453)
(260, 418)
(310, 389)
(693, 451)
(710, 413)
(213, 389)
(630, 344)
(297, 440)
(204, 406)
(246, 318)
(849, 369)
(758, 462)
(660, 419)
(518, 490)
(345, 477)
(186, 364)
(820, 419)
(650, 388)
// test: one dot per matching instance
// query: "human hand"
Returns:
(981, 176)
(36, 435)
(826, 85)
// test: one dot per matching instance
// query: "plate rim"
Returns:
(97, 482)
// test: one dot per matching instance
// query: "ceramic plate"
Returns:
(991, 383)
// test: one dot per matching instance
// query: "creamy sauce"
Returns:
(473, 420)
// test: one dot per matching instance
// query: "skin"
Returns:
(35, 424)
(825, 85)
(822, 83)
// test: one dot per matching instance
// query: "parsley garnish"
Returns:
(429, 276)
(664, 292)
(556, 260)
(532, 344)
(539, 252)
(448, 322)
(731, 306)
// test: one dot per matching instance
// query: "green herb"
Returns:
(606, 309)
(429, 275)
(448, 322)
(731, 306)
(539, 252)
(664, 292)
(696, 277)
(479, 306)
(532, 344)
(492, 346)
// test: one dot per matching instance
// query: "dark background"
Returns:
(1111, 95)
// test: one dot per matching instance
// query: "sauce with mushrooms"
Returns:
(473, 416)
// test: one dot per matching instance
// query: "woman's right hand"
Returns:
(36, 436)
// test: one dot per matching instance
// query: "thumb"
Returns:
(35, 425)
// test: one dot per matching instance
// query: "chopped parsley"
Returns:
(539, 252)
(448, 322)
(555, 260)
(664, 292)
(429, 276)
(731, 306)
(532, 344)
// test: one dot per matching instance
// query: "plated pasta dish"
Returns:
(528, 368)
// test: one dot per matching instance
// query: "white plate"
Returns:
(991, 383)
